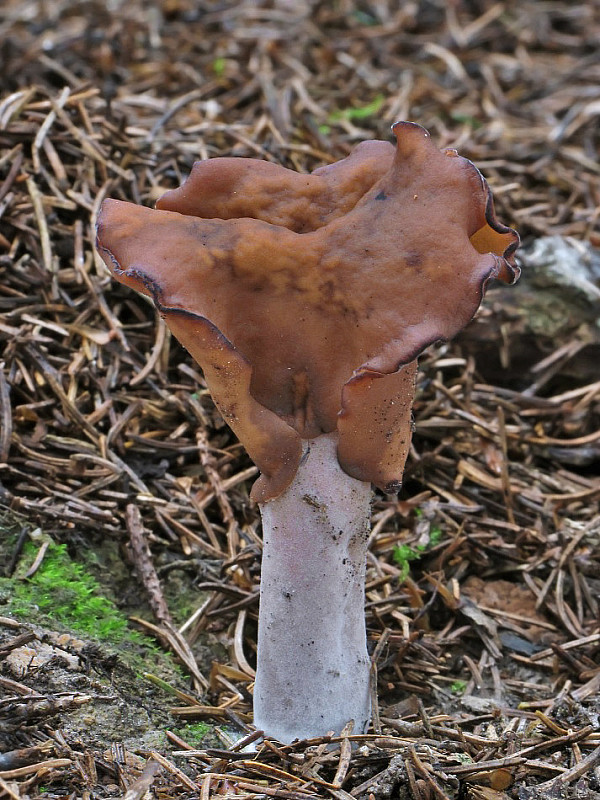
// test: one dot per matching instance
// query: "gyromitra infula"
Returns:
(306, 300)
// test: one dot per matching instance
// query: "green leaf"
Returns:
(218, 67)
(361, 112)
(402, 553)
(466, 118)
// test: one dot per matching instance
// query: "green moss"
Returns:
(62, 591)
(77, 597)
(193, 733)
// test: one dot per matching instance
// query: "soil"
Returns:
(484, 571)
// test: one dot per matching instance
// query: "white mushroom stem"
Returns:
(312, 663)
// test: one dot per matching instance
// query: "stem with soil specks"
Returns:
(312, 663)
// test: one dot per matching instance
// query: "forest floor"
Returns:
(129, 547)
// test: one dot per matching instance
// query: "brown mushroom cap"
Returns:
(307, 298)
(231, 188)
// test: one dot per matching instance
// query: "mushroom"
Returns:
(306, 300)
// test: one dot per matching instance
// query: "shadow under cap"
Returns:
(306, 299)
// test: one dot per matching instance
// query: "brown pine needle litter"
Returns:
(483, 592)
